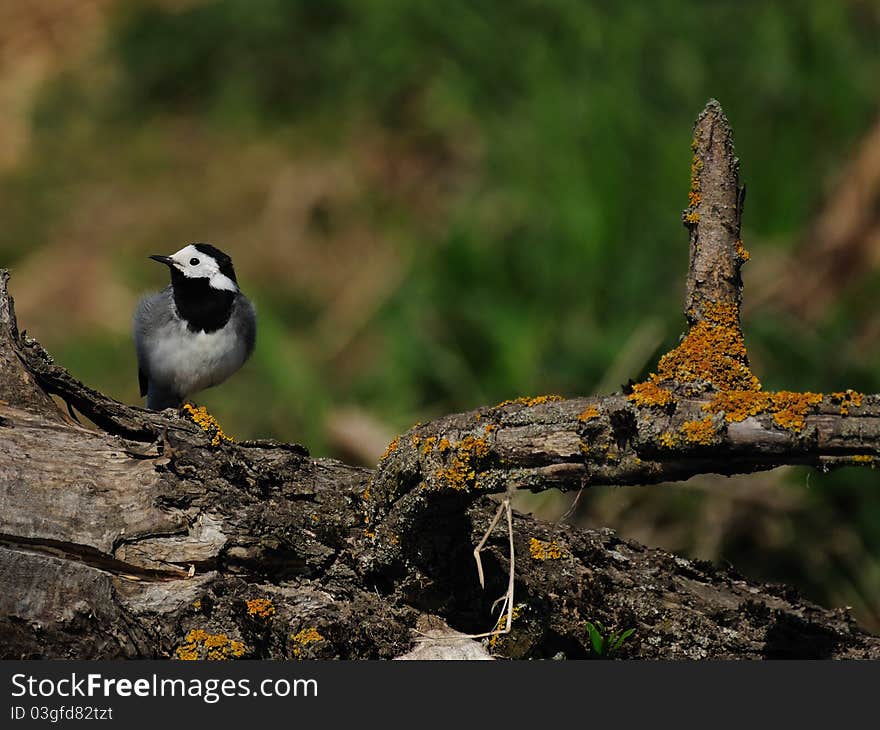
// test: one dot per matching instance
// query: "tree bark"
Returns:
(151, 535)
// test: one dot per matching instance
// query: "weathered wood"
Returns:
(149, 536)
(714, 216)
(18, 386)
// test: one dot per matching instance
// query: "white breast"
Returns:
(192, 361)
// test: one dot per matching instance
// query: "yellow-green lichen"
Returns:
(261, 608)
(668, 440)
(544, 550)
(428, 445)
(692, 217)
(207, 423)
(741, 251)
(588, 414)
(302, 639)
(863, 458)
(199, 644)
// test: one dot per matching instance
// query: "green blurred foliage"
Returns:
(543, 232)
(568, 235)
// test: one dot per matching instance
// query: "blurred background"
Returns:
(437, 206)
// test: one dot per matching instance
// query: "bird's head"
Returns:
(201, 261)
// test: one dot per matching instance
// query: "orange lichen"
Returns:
(846, 399)
(304, 638)
(199, 644)
(588, 414)
(712, 357)
(444, 445)
(529, 402)
(789, 408)
(692, 217)
(694, 198)
(699, 432)
(428, 445)
(461, 472)
(650, 393)
(207, 423)
(261, 608)
(391, 448)
(696, 168)
(544, 550)
(738, 405)
(502, 623)
(713, 352)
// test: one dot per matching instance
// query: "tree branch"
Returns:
(703, 411)
(713, 216)
(151, 537)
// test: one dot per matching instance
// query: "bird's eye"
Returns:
(193, 262)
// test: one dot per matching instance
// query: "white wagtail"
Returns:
(195, 333)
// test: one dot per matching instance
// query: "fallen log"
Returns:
(149, 535)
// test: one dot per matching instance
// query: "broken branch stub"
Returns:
(712, 355)
(714, 217)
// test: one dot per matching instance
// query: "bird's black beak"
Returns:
(167, 260)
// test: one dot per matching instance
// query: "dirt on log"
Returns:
(151, 535)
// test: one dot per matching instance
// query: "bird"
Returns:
(195, 333)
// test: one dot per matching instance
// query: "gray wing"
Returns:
(245, 320)
(153, 311)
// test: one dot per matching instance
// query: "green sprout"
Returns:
(604, 643)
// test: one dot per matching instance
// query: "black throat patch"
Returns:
(201, 307)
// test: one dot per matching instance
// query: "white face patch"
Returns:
(194, 264)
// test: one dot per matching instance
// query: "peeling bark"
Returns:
(143, 538)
